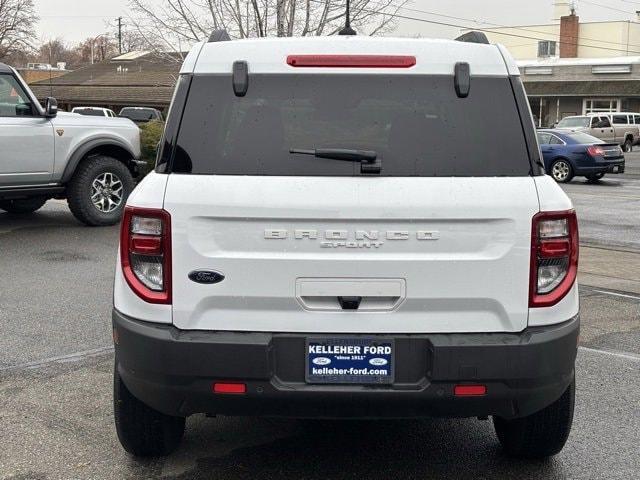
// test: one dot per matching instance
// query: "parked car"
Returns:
(317, 241)
(94, 111)
(141, 114)
(600, 126)
(568, 153)
(90, 161)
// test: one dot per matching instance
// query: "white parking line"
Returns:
(72, 357)
(626, 356)
(615, 294)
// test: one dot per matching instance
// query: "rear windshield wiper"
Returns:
(368, 159)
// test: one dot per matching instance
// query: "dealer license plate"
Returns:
(349, 360)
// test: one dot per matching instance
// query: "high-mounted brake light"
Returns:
(145, 253)
(554, 257)
(352, 61)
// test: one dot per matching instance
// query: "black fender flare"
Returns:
(81, 151)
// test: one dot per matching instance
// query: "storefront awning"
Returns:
(612, 88)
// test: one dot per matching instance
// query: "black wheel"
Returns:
(627, 146)
(541, 434)
(594, 177)
(143, 431)
(22, 205)
(99, 190)
(561, 171)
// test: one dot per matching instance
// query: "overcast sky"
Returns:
(75, 20)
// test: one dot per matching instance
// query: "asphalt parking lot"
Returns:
(56, 361)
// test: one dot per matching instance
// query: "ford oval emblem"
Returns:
(321, 361)
(206, 276)
(378, 362)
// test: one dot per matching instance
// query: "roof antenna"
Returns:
(347, 30)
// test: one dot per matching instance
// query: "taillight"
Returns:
(352, 61)
(595, 151)
(554, 257)
(145, 253)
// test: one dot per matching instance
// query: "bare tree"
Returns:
(172, 25)
(17, 31)
(55, 51)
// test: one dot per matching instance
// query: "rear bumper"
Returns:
(610, 166)
(173, 371)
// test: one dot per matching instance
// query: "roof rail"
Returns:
(473, 37)
(219, 36)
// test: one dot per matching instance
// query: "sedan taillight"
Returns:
(554, 257)
(595, 151)
(145, 253)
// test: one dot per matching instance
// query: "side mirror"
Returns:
(50, 107)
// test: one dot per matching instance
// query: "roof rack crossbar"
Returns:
(473, 37)
(220, 35)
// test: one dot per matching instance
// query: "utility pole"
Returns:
(120, 35)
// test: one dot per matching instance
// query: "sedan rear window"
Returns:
(571, 122)
(415, 124)
(583, 138)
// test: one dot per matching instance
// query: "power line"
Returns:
(487, 30)
(607, 7)
(528, 30)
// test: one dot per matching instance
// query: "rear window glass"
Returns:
(138, 114)
(570, 122)
(92, 112)
(583, 138)
(416, 125)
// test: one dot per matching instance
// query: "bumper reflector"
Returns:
(469, 390)
(234, 388)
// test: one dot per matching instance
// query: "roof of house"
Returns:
(611, 88)
(139, 78)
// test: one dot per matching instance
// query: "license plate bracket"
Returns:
(349, 360)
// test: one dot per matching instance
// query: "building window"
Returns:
(546, 48)
(598, 105)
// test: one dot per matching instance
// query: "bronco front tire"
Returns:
(143, 431)
(22, 205)
(541, 434)
(99, 190)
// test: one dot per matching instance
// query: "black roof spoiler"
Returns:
(473, 37)
(219, 36)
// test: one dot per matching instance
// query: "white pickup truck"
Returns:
(617, 128)
(91, 161)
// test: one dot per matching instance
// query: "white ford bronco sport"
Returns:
(91, 161)
(333, 230)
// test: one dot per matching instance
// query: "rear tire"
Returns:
(561, 171)
(22, 205)
(627, 146)
(99, 190)
(143, 431)
(541, 434)
(594, 177)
